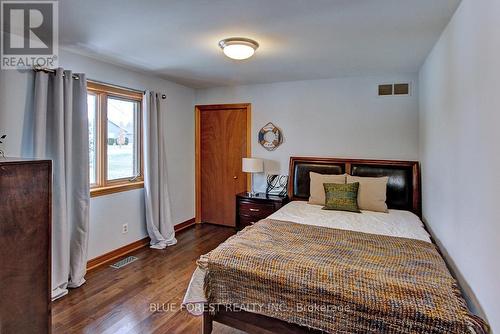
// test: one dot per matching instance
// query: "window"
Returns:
(115, 139)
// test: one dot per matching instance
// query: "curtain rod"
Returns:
(76, 77)
(48, 70)
(117, 86)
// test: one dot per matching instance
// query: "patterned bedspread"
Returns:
(337, 281)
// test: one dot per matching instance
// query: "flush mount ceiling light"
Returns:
(238, 48)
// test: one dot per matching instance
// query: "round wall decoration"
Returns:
(270, 137)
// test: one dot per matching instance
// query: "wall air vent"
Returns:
(397, 89)
(402, 89)
(384, 90)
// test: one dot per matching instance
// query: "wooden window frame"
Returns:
(102, 185)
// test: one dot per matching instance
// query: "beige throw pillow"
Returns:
(316, 189)
(372, 192)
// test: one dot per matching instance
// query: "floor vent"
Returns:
(123, 262)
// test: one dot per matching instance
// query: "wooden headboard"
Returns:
(403, 187)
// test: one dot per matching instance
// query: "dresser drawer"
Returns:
(254, 209)
(250, 210)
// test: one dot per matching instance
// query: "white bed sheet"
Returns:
(396, 223)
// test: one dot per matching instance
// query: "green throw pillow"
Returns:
(342, 197)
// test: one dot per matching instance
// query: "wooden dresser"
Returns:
(25, 222)
(250, 210)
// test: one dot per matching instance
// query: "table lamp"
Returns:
(252, 166)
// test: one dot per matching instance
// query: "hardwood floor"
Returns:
(119, 300)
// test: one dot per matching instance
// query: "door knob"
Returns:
(235, 177)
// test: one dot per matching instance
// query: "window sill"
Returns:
(102, 191)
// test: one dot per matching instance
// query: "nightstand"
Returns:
(251, 209)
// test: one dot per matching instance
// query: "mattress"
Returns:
(396, 223)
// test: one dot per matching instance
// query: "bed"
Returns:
(349, 272)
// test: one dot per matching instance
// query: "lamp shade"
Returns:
(253, 165)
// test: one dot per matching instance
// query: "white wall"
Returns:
(459, 147)
(341, 117)
(108, 213)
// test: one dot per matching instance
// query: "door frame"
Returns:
(197, 145)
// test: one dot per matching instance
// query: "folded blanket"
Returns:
(337, 281)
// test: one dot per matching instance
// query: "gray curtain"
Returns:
(158, 215)
(61, 134)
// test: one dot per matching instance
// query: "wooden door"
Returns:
(222, 143)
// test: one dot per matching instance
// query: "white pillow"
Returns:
(372, 192)
(316, 189)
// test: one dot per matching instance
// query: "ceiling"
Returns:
(299, 39)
